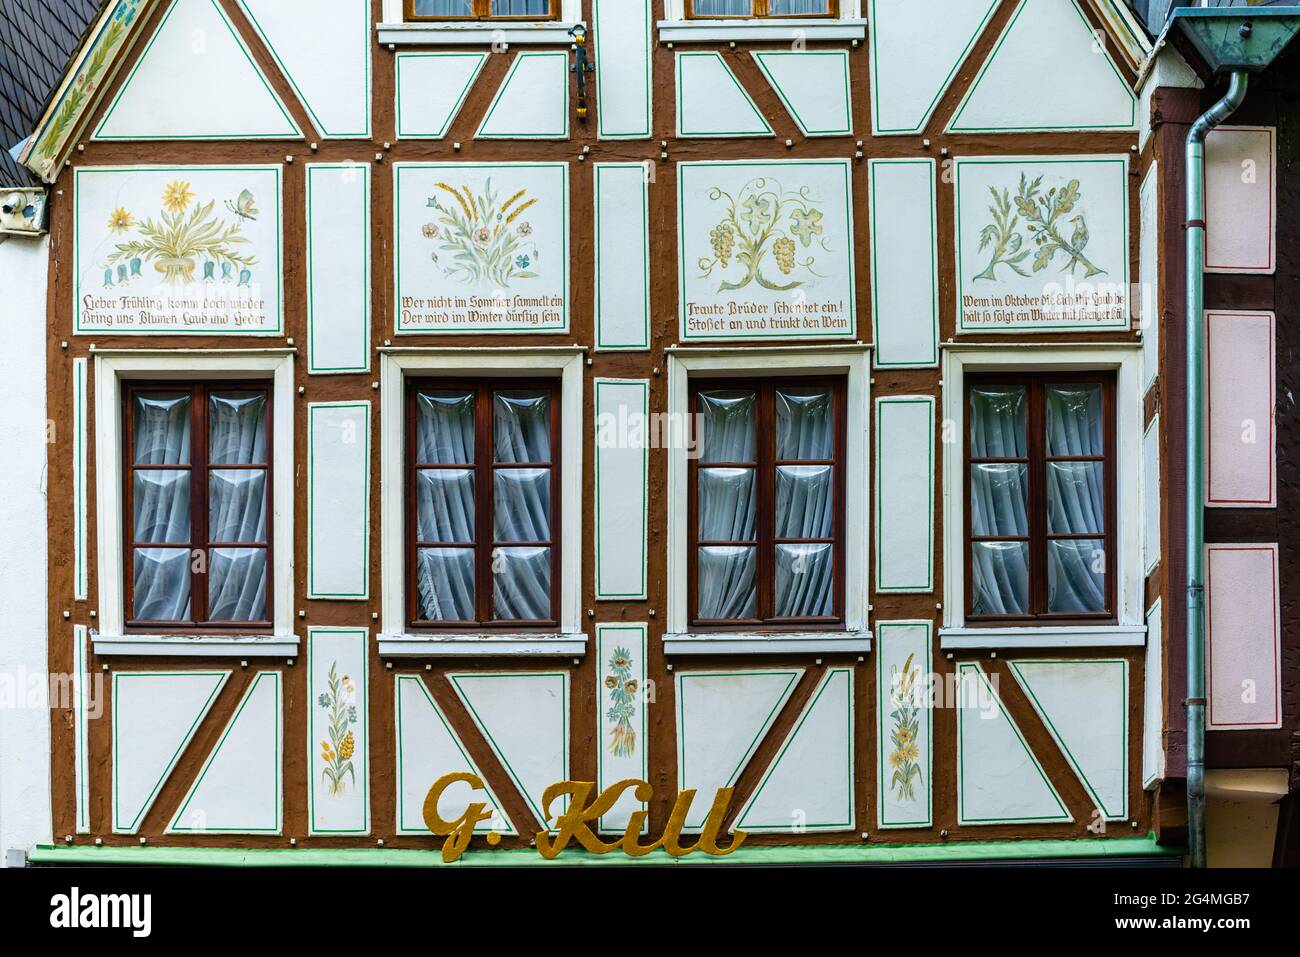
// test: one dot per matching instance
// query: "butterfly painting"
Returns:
(243, 206)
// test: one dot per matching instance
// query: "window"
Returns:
(761, 8)
(766, 504)
(484, 490)
(481, 9)
(197, 497)
(1040, 485)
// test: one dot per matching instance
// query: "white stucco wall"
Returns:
(24, 719)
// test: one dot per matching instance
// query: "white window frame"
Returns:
(112, 369)
(397, 30)
(852, 361)
(396, 364)
(675, 27)
(1125, 359)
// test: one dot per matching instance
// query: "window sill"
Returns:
(197, 646)
(714, 31)
(1015, 639)
(760, 643)
(559, 644)
(479, 32)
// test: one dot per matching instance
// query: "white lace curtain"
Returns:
(465, 8)
(744, 8)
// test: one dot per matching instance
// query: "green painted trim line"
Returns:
(990, 851)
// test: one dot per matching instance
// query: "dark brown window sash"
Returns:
(765, 543)
(762, 9)
(1037, 460)
(483, 11)
(484, 468)
(199, 469)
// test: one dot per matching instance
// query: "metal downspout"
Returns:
(1195, 544)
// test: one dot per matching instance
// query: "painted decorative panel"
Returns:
(82, 705)
(524, 716)
(1153, 699)
(622, 487)
(431, 89)
(338, 731)
(1084, 705)
(328, 65)
(1149, 275)
(905, 493)
(1241, 200)
(722, 717)
(1151, 496)
(904, 263)
(1243, 637)
(808, 786)
(1241, 439)
(621, 702)
(155, 714)
(813, 86)
(1042, 243)
(1048, 72)
(338, 500)
(239, 790)
(178, 249)
(999, 780)
(533, 101)
(711, 102)
(904, 724)
(196, 80)
(482, 247)
(624, 38)
(427, 749)
(765, 249)
(622, 256)
(80, 479)
(914, 58)
(338, 268)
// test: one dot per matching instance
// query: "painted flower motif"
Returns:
(120, 221)
(805, 224)
(430, 231)
(629, 687)
(323, 700)
(523, 262)
(619, 663)
(756, 211)
(525, 228)
(482, 236)
(177, 196)
(904, 735)
(611, 682)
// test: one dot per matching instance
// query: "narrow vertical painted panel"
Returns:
(622, 476)
(1149, 275)
(1151, 496)
(1241, 200)
(338, 268)
(1241, 445)
(1153, 699)
(338, 731)
(623, 90)
(620, 713)
(1243, 637)
(904, 747)
(904, 263)
(81, 704)
(338, 500)
(622, 256)
(905, 493)
(80, 443)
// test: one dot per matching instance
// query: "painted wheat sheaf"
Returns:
(622, 689)
(480, 240)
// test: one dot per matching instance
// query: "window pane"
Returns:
(444, 8)
(997, 423)
(1000, 573)
(237, 428)
(725, 575)
(1076, 576)
(237, 505)
(521, 426)
(444, 579)
(1075, 503)
(520, 8)
(805, 501)
(161, 499)
(521, 584)
(723, 8)
(522, 506)
(160, 589)
(727, 426)
(999, 495)
(790, 8)
(162, 428)
(444, 428)
(444, 505)
(237, 584)
(804, 576)
(726, 505)
(804, 424)
(1074, 420)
